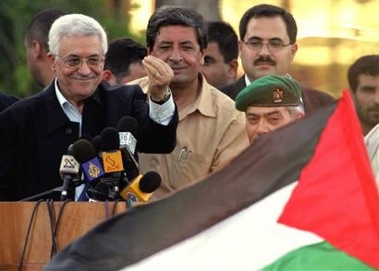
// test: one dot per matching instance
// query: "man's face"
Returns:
(34, 52)
(78, 83)
(216, 71)
(366, 99)
(261, 120)
(178, 47)
(265, 61)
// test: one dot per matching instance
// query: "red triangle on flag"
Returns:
(336, 197)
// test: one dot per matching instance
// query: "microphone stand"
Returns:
(66, 182)
(43, 194)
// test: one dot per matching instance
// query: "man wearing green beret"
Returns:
(270, 102)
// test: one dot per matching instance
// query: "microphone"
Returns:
(69, 172)
(96, 141)
(85, 153)
(111, 155)
(128, 127)
(141, 188)
(99, 193)
(112, 158)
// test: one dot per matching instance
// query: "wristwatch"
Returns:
(165, 98)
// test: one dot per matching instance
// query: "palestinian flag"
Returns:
(301, 198)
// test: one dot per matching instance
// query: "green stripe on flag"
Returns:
(320, 256)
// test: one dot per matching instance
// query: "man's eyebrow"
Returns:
(272, 113)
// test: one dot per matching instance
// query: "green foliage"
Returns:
(15, 16)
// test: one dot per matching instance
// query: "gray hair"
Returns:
(176, 15)
(75, 25)
(293, 111)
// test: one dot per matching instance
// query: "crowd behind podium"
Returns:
(194, 115)
(189, 122)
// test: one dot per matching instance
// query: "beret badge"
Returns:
(277, 95)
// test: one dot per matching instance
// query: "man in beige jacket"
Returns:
(211, 131)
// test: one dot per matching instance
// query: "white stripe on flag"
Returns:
(248, 240)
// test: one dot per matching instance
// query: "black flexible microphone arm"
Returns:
(43, 195)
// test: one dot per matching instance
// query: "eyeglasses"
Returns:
(75, 62)
(272, 45)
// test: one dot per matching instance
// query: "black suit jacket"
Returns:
(312, 98)
(6, 100)
(35, 133)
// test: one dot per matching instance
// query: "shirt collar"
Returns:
(71, 111)
(203, 102)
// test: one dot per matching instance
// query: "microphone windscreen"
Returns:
(96, 141)
(150, 182)
(100, 192)
(110, 139)
(69, 149)
(128, 124)
(83, 151)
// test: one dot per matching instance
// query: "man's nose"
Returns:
(176, 55)
(84, 68)
(262, 127)
(264, 51)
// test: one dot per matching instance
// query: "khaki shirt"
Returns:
(211, 132)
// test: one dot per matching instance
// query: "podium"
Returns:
(74, 219)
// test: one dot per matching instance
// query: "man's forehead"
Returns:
(261, 28)
(262, 110)
(80, 45)
(173, 30)
(368, 77)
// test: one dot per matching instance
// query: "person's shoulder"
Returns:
(372, 137)
(372, 145)
(227, 89)
(7, 100)
(143, 82)
(222, 103)
(233, 89)
(31, 103)
(119, 89)
(315, 93)
(313, 99)
(122, 93)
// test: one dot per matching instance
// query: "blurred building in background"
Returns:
(332, 33)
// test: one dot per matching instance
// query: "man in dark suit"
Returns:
(36, 132)
(267, 47)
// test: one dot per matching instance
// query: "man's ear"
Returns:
(38, 50)
(107, 75)
(202, 52)
(233, 68)
(240, 44)
(299, 115)
(294, 48)
(51, 59)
